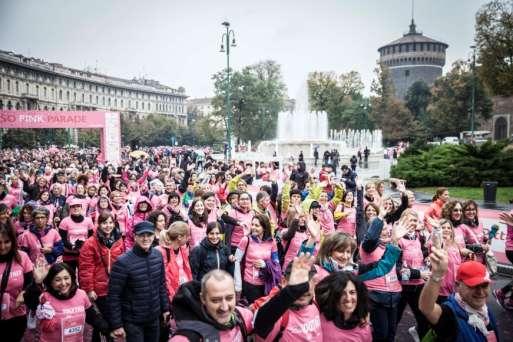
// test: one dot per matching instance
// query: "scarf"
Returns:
(478, 319)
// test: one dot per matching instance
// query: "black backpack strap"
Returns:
(242, 324)
(197, 331)
(5, 279)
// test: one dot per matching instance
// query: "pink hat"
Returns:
(75, 201)
(472, 273)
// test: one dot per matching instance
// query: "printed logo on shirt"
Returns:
(308, 327)
(15, 274)
(74, 310)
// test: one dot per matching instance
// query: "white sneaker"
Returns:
(413, 333)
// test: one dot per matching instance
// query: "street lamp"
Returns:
(473, 109)
(225, 41)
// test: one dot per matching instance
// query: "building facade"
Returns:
(33, 84)
(411, 58)
(501, 123)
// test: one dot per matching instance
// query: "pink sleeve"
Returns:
(64, 224)
(244, 242)
(26, 264)
(57, 236)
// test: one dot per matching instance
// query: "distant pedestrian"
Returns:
(353, 162)
(301, 156)
(316, 155)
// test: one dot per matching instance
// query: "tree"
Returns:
(340, 97)
(494, 41)
(417, 100)
(451, 105)
(151, 130)
(257, 95)
(390, 114)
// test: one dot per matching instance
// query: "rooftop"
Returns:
(141, 84)
(413, 37)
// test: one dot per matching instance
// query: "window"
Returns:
(142, 105)
(90, 98)
(129, 104)
(406, 73)
(109, 101)
(44, 92)
(37, 90)
(67, 95)
(74, 97)
(27, 88)
(414, 47)
(115, 103)
(83, 98)
(8, 86)
(136, 104)
(17, 87)
(103, 100)
(421, 47)
(1, 84)
(121, 103)
(96, 99)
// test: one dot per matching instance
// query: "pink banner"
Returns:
(51, 119)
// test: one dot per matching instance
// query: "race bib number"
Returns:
(391, 278)
(72, 328)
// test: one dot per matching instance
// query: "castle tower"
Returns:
(411, 58)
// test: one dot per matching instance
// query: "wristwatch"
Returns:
(435, 278)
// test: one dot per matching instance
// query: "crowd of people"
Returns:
(173, 245)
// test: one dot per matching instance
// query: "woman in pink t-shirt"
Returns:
(15, 276)
(62, 309)
(257, 265)
(198, 218)
(342, 301)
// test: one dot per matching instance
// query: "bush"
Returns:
(456, 165)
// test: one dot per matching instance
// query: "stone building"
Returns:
(31, 83)
(411, 58)
(501, 123)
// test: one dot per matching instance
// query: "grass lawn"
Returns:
(504, 194)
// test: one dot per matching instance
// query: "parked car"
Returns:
(451, 140)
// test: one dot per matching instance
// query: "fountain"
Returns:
(303, 130)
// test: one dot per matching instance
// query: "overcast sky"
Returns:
(177, 42)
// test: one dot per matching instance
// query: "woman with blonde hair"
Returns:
(175, 253)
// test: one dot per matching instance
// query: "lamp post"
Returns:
(225, 41)
(473, 109)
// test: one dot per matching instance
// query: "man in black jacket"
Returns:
(137, 297)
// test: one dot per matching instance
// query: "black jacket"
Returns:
(137, 288)
(206, 257)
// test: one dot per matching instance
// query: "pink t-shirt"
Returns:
(232, 335)
(14, 286)
(348, 224)
(76, 230)
(68, 323)
(330, 332)
(256, 250)
(197, 233)
(412, 258)
(303, 325)
(294, 246)
(386, 283)
(30, 241)
(239, 231)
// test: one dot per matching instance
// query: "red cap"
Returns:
(75, 201)
(472, 273)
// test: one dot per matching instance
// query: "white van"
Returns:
(451, 140)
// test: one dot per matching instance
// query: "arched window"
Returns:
(500, 129)
(67, 95)
(8, 86)
(121, 103)
(109, 101)
(60, 94)
(9, 105)
(142, 105)
(17, 87)
(44, 92)
(27, 88)
(18, 106)
(83, 98)
(115, 103)
(74, 97)
(1, 105)
(90, 98)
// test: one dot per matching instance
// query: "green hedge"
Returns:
(456, 165)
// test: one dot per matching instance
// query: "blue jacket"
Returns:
(137, 288)
(467, 333)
